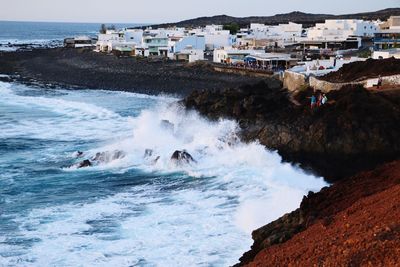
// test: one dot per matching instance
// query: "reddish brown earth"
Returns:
(361, 70)
(355, 222)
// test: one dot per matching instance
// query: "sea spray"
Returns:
(131, 210)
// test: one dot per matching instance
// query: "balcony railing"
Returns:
(387, 40)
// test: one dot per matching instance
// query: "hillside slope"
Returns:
(299, 17)
(353, 223)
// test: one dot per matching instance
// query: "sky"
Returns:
(157, 11)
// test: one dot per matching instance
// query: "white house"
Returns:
(133, 35)
(389, 34)
(343, 28)
(189, 54)
(194, 42)
(158, 44)
(340, 34)
(124, 38)
(215, 36)
(79, 42)
(278, 35)
(230, 55)
(270, 61)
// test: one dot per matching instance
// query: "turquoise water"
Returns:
(130, 211)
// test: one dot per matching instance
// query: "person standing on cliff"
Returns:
(324, 99)
(319, 100)
(379, 82)
(313, 101)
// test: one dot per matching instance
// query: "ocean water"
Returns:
(130, 211)
(39, 34)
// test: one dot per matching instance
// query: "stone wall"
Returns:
(242, 71)
(293, 80)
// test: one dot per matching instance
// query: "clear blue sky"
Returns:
(155, 11)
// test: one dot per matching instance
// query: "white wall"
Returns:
(215, 41)
(108, 37)
(386, 54)
(133, 36)
(282, 33)
(219, 55)
(341, 29)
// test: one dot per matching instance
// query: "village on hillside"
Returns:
(298, 55)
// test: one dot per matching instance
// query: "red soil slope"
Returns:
(365, 233)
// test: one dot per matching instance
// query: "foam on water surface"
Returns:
(131, 211)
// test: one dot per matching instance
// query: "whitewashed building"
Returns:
(189, 54)
(194, 42)
(271, 35)
(108, 41)
(340, 34)
(230, 55)
(215, 36)
(388, 36)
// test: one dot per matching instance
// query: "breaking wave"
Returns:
(136, 210)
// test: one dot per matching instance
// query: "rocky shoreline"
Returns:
(83, 68)
(357, 131)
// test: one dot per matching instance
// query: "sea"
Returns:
(15, 34)
(135, 206)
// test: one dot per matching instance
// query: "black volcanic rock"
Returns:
(83, 68)
(84, 164)
(355, 131)
(182, 157)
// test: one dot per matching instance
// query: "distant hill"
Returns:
(296, 16)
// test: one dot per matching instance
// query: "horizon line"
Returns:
(77, 22)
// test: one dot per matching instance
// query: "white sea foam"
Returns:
(74, 120)
(235, 188)
(13, 44)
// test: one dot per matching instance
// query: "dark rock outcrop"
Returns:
(182, 157)
(84, 164)
(99, 158)
(355, 131)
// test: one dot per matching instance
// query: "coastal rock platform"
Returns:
(83, 68)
